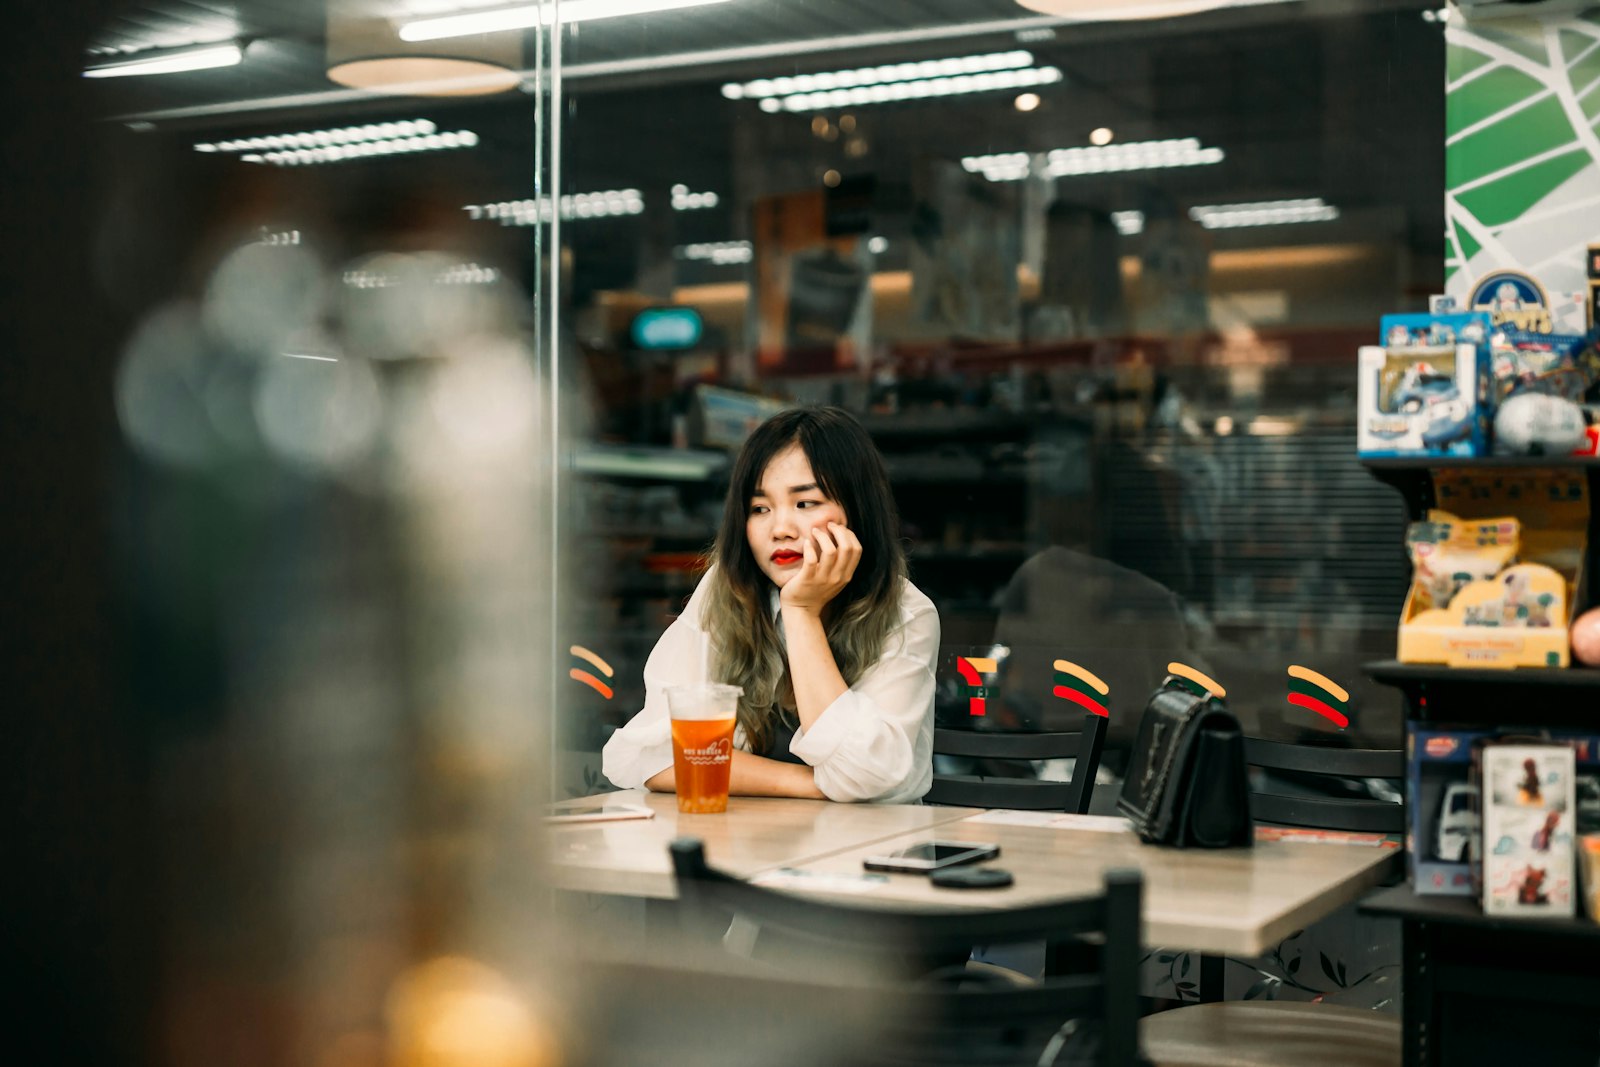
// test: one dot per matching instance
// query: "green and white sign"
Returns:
(1522, 148)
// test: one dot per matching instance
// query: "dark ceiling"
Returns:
(284, 67)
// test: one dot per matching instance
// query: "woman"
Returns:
(806, 607)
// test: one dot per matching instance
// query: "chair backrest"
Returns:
(1358, 814)
(983, 791)
(942, 1014)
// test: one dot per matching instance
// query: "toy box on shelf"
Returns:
(1469, 607)
(1528, 830)
(1444, 837)
(1429, 389)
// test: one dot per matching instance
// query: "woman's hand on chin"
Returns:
(831, 554)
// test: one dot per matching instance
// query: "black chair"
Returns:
(1322, 768)
(1031, 794)
(948, 1017)
(1298, 792)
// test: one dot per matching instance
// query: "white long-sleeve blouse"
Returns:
(873, 743)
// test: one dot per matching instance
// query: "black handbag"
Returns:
(1187, 784)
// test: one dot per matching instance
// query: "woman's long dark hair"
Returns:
(738, 615)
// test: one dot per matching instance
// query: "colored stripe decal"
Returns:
(1083, 700)
(1204, 682)
(595, 661)
(591, 681)
(1318, 693)
(1068, 667)
(1300, 700)
(1306, 674)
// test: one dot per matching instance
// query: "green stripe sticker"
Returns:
(1316, 692)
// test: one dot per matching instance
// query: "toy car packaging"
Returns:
(1444, 835)
(1528, 830)
(1428, 390)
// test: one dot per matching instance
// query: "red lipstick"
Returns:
(784, 556)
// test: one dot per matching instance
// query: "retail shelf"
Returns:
(1393, 672)
(1418, 463)
(655, 464)
(1400, 902)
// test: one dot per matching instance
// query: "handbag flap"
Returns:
(1167, 719)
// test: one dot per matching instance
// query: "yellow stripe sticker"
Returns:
(599, 664)
(1306, 674)
(1210, 685)
(982, 665)
(1084, 674)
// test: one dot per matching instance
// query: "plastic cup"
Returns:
(703, 718)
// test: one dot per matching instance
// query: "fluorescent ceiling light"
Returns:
(1228, 216)
(1263, 213)
(455, 274)
(206, 57)
(894, 92)
(684, 200)
(524, 16)
(341, 153)
(1119, 10)
(1128, 223)
(762, 88)
(610, 203)
(343, 135)
(1106, 159)
(721, 253)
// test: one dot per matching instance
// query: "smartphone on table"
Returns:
(927, 856)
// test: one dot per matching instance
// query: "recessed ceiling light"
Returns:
(524, 16)
(170, 61)
(887, 74)
(309, 147)
(684, 200)
(343, 135)
(1128, 223)
(1026, 102)
(1101, 136)
(1263, 213)
(719, 253)
(610, 203)
(894, 92)
(1107, 159)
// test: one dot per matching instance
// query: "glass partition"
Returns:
(432, 345)
(1094, 288)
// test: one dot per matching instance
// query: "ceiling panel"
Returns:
(284, 67)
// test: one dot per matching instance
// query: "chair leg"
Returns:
(1211, 978)
(1069, 957)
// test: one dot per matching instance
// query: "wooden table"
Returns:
(629, 858)
(1235, 902)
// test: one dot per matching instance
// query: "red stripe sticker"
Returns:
(1082, 699)
(1300, 700)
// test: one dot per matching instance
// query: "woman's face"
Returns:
(787, 505)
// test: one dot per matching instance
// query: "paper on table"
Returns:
(1007, 817)
(1300, 836)
(1055, 820)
